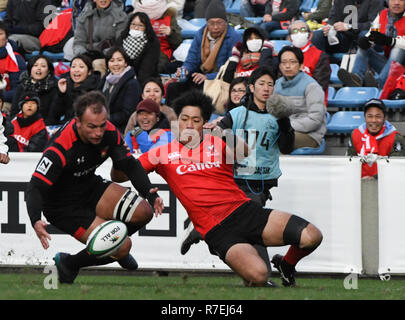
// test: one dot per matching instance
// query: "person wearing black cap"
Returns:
(210, 49)
(29, 130)
(375, 136)
(152, 128)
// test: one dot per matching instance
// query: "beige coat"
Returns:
(3, 5)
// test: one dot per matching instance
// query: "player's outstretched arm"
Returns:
(34, 209)
(132, 168)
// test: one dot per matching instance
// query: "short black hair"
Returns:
(297, 52)
(259, 72)
(86, 59)
(94, 99)
(4, 27)
(195, 98)
(156, 80)
(34, 59)
(115, 49)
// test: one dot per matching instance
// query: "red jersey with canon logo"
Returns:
(200, 178)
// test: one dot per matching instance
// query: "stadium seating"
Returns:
(307, 151)
(394, 104)
(279, 44)
(331, 93)
(234, 7)
(345, 121)
(334, 77)
(278, 34)
(306, 5)
(353, 97)
(189, 28)
(52, 56)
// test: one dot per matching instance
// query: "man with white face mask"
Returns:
(316, 62)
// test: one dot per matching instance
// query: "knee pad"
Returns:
(293, 230)
(126, 206)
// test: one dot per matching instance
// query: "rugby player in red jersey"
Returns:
(198, 168)
(73, 198)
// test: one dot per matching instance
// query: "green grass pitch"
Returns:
(30, 286)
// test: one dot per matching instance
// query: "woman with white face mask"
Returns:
(254, 51)
(141, 45)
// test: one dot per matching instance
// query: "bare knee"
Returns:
(256, 276)
(124, 250)
(311, 237)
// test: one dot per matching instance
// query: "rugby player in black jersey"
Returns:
(65, 188)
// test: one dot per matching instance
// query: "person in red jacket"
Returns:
(376, 136)
(387, 36)
(29, 130)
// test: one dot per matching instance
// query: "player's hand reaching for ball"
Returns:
(42, 234)
(158, 205)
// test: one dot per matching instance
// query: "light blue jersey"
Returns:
(261, 134)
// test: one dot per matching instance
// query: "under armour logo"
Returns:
(80, 160)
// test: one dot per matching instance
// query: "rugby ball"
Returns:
(107, 238)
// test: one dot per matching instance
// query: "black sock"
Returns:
(84, 259)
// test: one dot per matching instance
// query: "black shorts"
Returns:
(76, 217)
(244, 225)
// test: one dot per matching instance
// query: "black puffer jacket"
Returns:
(62, 109)
(26, 16)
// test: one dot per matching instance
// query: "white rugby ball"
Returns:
(107, 238)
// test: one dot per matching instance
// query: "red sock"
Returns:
(295, 254)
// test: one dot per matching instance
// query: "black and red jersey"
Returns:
(68, 164)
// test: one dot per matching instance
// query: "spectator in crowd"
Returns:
(164, 23)
(177, 5)
(152, 128)
(38, 78)
(278, 14)
(29, 130)
(3, 146)
(349, 24)
(316, 62)
(256, 174)
(24, 21)
(3, 133)
(153, 89)
(80, 79)
(12, 64)
(303, 92)
(3, 5)
(390, 38)
(98, 27)
(141, 45)
(237, 90)
(254, 51)
(375, 137)
(254, 8)
(211, 47)
(320, 13)
(120, 88)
